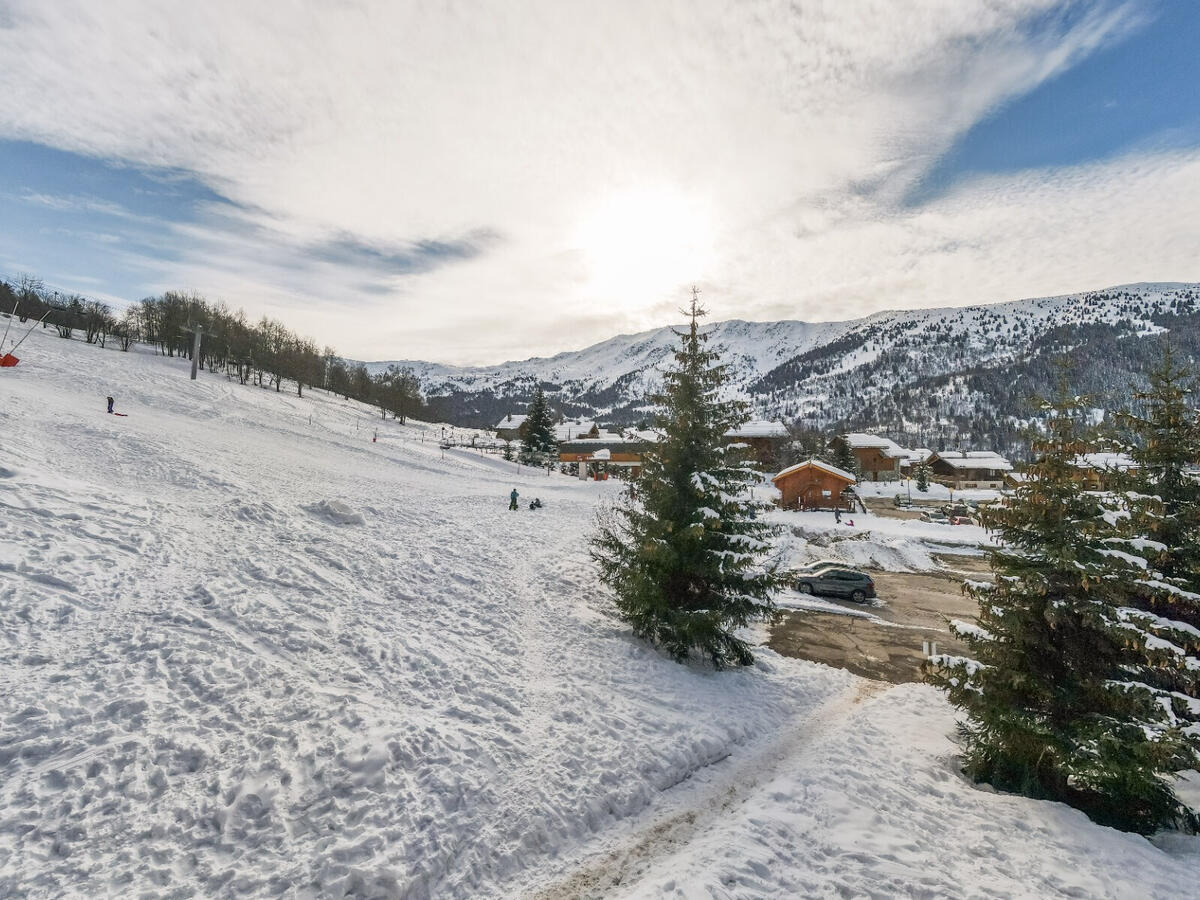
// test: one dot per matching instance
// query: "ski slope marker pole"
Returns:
(16, 303)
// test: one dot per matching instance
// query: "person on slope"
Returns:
(110, 404)
(535, 503)
(512, 499)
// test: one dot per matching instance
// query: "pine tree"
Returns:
(922, 477)
(844, 458)
(537, 431)
(1055, 698)
(1162, 499)
(508, 451)
(683, 549)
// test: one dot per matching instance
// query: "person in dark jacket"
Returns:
(512, 499)
(110, 404)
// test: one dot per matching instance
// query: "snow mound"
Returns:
(337, 512)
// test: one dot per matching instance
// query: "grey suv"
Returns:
(836, 581)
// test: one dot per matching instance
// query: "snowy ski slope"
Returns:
(245, 650)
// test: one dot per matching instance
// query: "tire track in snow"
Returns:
(703, 799)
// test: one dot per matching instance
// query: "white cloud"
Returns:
(760, 148)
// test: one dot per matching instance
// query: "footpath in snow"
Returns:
(247, 650)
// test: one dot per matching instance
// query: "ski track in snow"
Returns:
(246, 651)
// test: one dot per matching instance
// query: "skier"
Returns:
(110, 404)
(512, 499)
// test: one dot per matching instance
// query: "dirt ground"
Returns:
(913, 608)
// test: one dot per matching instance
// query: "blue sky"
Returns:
(1141, 92)
(419, 183)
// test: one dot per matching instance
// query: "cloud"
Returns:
(425, 180)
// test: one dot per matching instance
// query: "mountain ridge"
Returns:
(875, 371)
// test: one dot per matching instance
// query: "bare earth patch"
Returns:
(912, 608)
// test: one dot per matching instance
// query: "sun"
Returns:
(639, 244)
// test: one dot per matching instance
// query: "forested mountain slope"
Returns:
(933, 376)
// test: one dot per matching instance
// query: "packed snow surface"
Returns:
(248, 650)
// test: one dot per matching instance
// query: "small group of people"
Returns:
(535, 503)
(837, 517)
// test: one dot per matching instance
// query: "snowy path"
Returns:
(246, 651)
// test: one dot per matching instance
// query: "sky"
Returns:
(471, 183)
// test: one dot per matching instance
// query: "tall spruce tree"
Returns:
(1162, 499)
(923, 477)
(537, 431)
(684, 550)
(844, 458)
(1055, 697)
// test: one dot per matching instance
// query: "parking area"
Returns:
(886, 646)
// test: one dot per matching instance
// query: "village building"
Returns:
(765, 439)
(1102, 471)
(961, 469)
(568, 431)
(607, 453)
(879, 458)
(509, 428)
(814, 484)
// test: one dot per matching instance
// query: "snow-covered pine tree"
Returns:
(684, 550)
(1053, 696)
(844, 458)
(508, 451)
(538, 431)
(1161, 493)
(922, 478)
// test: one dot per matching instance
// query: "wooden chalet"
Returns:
(763, 438)
(509, 428)
(814, 484)
(961, 469)
(879, 458)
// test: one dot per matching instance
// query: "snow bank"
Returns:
(337, 512)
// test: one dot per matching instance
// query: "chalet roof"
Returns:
(817, 464)
(1111, 462)
(612, 442)
(859, 440)
(565, 431)
(512, 420)
(758, 428)
(973, 459)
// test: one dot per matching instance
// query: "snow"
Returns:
(872, 805)
(890, 489)
(974, 459)
(247, 650)
(759, 428)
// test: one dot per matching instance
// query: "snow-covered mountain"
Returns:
(858, 370)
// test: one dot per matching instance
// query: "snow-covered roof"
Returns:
(646, 435)
(565, 431)
(512, 420)
(859, 440)
(818, 464)
(758, 428)
(918, 456)
(974, 459)
(1114, 462)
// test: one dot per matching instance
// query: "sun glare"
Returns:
(639, 244)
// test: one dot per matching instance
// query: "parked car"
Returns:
(837, 581)
(902, 501)
(933, 515)
(810, 568)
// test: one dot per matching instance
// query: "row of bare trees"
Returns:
(266, 352)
